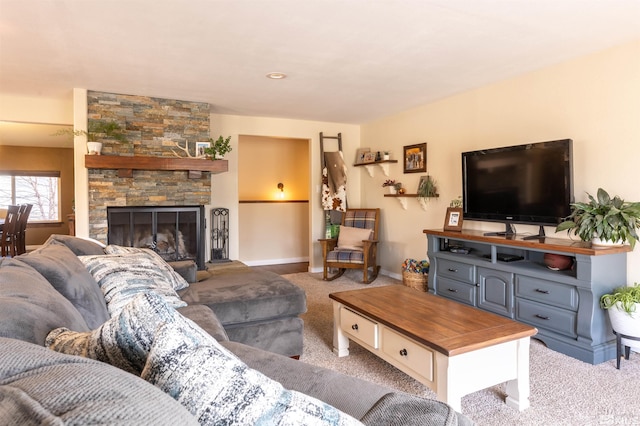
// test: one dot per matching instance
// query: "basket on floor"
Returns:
(415, 280)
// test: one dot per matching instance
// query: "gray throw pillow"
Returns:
(41, 387)
(79, 246)
(67, 274)
(30, 307)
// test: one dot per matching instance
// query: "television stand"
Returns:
(508, 231)
(541, 235)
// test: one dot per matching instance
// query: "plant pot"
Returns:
(94, 148)
(385, 156)
(627, 324)
(596, 241)
(392, 189)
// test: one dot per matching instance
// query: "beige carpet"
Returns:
(564, 391)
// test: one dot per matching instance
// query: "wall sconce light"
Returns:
(281, 188)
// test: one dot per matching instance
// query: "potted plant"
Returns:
(218, 147)
(393, 186)
(623, 306)
(96, 131)
(604, 220)
(427, 188)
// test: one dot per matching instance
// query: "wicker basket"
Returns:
(415, 280)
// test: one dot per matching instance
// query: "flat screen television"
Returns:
(526, 184)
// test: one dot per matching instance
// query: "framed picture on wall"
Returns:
(360, 155)
(415, 158)
(200, 147)
(453, 219)
(369, 157)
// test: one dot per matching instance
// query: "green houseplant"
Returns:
(218, 147)
(427, 188)
(96, 131)
(604, 220)
(623, 306)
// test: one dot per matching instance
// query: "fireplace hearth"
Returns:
(174, 232)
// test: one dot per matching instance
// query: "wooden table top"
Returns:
(446, 326)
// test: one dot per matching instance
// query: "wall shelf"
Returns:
(402, 199)
(384, 165)
(126, 164)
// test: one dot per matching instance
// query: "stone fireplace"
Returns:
(154, 127)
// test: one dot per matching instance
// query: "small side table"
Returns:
(627, 349)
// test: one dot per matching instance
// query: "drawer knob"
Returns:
(354, 327)
(452, 290)
(542, 317)
(542, 291)
(452, 270)
(403, 352)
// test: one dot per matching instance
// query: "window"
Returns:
(42, 189)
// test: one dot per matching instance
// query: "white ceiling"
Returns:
(347, 61)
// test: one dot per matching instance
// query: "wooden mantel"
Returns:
(126, 164)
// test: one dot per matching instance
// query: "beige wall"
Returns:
(594, 100)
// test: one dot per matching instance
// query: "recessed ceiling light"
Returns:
(276, 75)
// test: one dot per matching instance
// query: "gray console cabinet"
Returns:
(562, 305)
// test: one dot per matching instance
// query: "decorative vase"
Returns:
(94, 148)
(627, 324)
(597, 241)
(392, 189)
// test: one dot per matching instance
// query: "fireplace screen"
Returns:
(175, 233)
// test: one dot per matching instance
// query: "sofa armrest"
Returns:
(186, 268)
(206, 319)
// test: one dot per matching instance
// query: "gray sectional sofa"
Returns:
(240, 311)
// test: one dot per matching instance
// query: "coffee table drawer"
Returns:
(408, 353)
(359, 327)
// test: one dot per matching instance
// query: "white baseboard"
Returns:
(275, 261)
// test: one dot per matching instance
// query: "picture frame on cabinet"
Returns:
(415, 158)
(360, 153)
(453, 219)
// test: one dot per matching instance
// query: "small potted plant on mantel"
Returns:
(604, 221)
(218, 148)
(97, 130)
(623, 306)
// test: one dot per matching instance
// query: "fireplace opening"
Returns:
(174, 232)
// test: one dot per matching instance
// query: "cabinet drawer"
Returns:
(547, 292)
(456, 290)
(456, 270)
(547, 317)
(357, 326)
(408, 353)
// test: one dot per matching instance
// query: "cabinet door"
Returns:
(495, 291)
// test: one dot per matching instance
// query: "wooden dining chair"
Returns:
(21, 238)
(8, 237)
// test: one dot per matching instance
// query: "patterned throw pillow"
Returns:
(121, 277)
(177, 281)
(123, 341)
(192, 367)
(239, 395)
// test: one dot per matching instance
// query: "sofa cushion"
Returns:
(206, 319)
(123, 276)
(39, 386)
(176, 280)
(182, 359)
(79, 246)
(66, 273)
(241, 295)
(30, 307)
